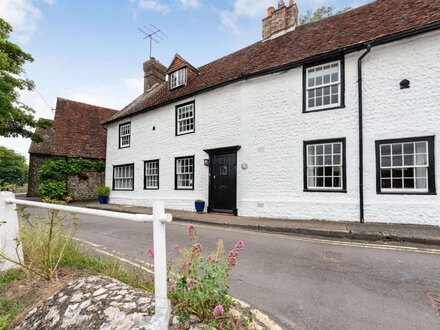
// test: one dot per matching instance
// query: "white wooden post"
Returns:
(9, 232)
(162, 304)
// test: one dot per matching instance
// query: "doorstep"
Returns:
(419, 234)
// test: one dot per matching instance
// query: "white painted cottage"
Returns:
(337, 119)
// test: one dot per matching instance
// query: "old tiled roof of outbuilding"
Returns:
(76, 131)
(347, 31)
(48, 135)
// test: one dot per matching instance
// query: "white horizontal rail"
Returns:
(159, 219)
(82, 210)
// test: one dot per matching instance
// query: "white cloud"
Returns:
(152, 5)
(248, 9)
(23, 15)
(190, 3)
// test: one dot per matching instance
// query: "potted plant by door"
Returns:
(199, 205)
(103, 193)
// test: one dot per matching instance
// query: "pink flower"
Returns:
(232, 257)
(173, 287)
(198, 246)
(239, 245)
(150, 252)
(190, 282)
(232, 254)
(218, 310)
(191, 228)
(184, 265)
(177, 248)
(212, 258)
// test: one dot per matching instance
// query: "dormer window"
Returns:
(178, 78)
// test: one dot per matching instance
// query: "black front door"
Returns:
(223, 182)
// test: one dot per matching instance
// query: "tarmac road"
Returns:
(306, 283)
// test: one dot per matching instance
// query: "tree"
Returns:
(16, 118)
(13, 167)
(320, 13)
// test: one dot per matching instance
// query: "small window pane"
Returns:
(421, 159)
(397, 149)
(421, 183)
(408, 148)
(386, 161)
(385, 150)
(386, 183)
(386, 173)
(397, 160)
(408, 160)
(421, 147)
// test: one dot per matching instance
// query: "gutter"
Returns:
(361, 136)
(383, 40)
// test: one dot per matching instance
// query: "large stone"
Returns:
(84, 307)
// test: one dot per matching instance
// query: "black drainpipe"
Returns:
(361, 135)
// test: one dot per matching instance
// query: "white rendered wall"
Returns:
(264, 116)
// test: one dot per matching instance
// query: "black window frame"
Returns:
(344, 164)
(193, 102)
(113, 177)
(431, 168)
(341, 59)
(193, 174)
(119, 135)
(158, 174)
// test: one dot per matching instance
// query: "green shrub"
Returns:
(200, 285)
(99, 166)
(8, 187)
(103, 191)
(58, 170)
(54, 190)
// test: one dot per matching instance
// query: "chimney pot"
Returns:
(270, 11)
(280, 20)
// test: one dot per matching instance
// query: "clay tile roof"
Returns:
(351, 30)
(48, 135)
(77, 131)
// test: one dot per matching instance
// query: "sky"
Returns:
(92, 51)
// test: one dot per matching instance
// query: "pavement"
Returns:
(419, 234)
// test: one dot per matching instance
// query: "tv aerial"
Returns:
(154, 34)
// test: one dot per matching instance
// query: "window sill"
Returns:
(406, 193)
(186, 133)
(326, 190)
(151, 188)
(325, 109)
(184, 188)
(122, 189)
(124, 147)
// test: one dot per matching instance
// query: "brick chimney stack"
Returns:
(154, 72)
(280, 20)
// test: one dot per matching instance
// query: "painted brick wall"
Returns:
(264, 116)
